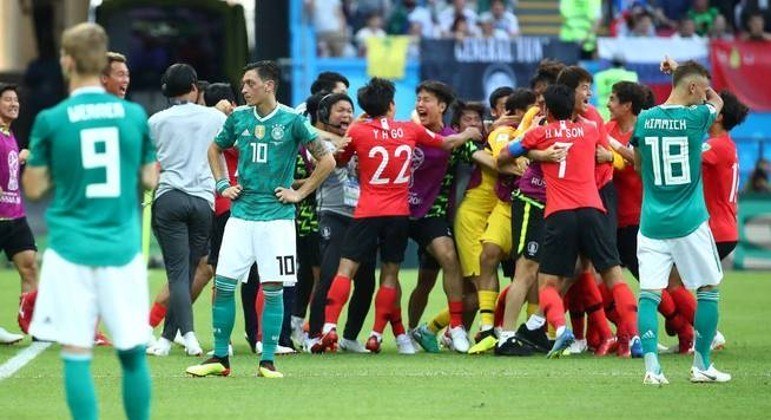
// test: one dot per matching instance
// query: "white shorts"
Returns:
(694, 255)
(73, 298)
(270, 244)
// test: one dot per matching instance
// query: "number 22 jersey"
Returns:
(384, 149)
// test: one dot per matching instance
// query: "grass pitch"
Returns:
(389, 385)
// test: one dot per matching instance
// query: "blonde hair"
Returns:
(113, 57)
(86, 44)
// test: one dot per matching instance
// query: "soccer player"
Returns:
(261, 226)
(115, 77)
(16, 238)
(384, 148)
(90, 150)
(673, 225)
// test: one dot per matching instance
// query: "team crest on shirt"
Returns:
(705, 147)
(259, 131)
(532, 247)
(326, 232)
(277, 132)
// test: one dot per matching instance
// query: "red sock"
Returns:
(551, 305)
(609, 304)
(337, 297)
(456, 313)
(685, 303)
(259, 305)
(675, 323)
(626, 306)
(396, 320)
(157, 313)
(573, 304)
(500, 307)
(385, 299)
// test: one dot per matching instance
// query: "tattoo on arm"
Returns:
(317, 149)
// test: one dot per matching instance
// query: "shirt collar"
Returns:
(87, 89)
(267, 117)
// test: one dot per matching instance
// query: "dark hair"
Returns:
(442, 91)
(650, 97)
(560, 101)
(327, 80)
(325, 104)
(734, 111)
(178, 80)
(572, 76)
(520, 100)
(376, 96)
(547, 72)
(457, 22)
(461, 107)
(686, 69)
(216, 92)
(267, 70)
(630, 92)
(8, 86)
(499, 93)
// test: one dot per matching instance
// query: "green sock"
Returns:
(272, 318)
(223, 313)
(79, 386)
(648, 325)
(705, 324)
(136, 383)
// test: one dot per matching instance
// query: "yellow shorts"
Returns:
(470, 221)
(498, 230)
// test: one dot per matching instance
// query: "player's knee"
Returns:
(490, 256)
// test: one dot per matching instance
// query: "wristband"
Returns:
(222, 185)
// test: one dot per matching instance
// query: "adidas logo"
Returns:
(245, 133)
(648, 335)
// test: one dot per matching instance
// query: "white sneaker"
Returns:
(230, 351)
(404, 344)
(578, 347)
(352, 346)
(282, 350)
(150, 337)
(719, 341)
(161, 348)
(298, 334)
(192, 348)
(7, 337)
(179, 340)
(458, 339)
(709, 375)
(655, 379)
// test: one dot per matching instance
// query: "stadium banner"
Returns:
(743, 68)
(476, 67)
(754, 248)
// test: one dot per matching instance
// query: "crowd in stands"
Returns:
(344, 26)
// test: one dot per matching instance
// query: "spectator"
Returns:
(642, 25)
(374, 29)
(398, 22)
(581, 20)
(409, 16)
(703, 16)
(502, 18)
(362, 10)
(674, 10)
(686, 30)
(756, 28)
(331, 27)
(449, 17)
(461, 29)
(720, 30)
(489, 31)
(745, 8)
(759, 178)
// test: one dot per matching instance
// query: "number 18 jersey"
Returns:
(93, 145)
(384, 150)
(669, 139)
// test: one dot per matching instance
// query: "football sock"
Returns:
(626, 306)
(456, 313)
(384, 303)
(685, 303)
(609, 304)
(259, 307)
(675, 323)
(572, 302)
(79, 386)
(705, 324)
(599, 322)
(551, 305)
(337, 297)
(487, 308)
(272, 318)
(649, 328)
(535, 322)
(593, 305)
(396, 320)
(223, 313)
(157, 313)
(500, 307)
(136, 383)
(442, 319)
(532, 308)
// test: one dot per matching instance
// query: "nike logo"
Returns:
(708, 376)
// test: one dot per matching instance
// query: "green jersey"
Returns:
(267, 149)
(669, 139)
(93, 145)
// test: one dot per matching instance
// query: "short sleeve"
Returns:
(531, 139)
(303, 131)
(706, 115)
(709, 155)
(226, 138)
(40, 142)
(426, 137)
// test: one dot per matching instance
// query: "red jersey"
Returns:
(222, 204)
(628, 183)
(570, 184)
(720, 167)
(384, 149)
(603, 172)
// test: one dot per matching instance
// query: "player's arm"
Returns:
(149, 174)
(625, 152)
(324, 166)
(219, 171)
(715, 100)
(456, 140)
(36, 179)
(484, 159)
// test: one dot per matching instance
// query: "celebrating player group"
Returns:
(301, 204)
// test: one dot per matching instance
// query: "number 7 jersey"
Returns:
(669, 140)
(384, 150)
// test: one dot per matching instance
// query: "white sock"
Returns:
(505, 336)
(328, 326)
(535, 322)
(297, 322)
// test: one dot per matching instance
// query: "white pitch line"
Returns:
(23, 357)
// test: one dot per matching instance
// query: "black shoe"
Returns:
(536, 339)
(513, 347)
(481, 335)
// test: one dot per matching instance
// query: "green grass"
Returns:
(390, 385)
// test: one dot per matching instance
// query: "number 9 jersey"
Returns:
(93, 145)
(669, 141)
(384, 149)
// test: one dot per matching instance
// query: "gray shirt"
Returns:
(339, 193)
(182, 135)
